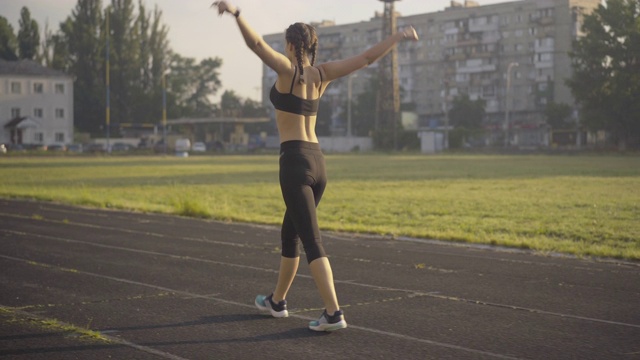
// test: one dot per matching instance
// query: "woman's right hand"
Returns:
(410, 33)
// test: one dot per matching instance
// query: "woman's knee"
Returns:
(290, 248)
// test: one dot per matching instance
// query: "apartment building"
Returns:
(471, 49)
(36, 104)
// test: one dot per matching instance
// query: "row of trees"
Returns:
(606, 71)
(139, 56)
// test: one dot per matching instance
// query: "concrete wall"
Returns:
(342, 144)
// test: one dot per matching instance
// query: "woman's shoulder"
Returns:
(313, 74)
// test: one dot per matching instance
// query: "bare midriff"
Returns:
(296, 127)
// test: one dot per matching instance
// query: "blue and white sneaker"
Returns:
(328, 322)
(265, 303)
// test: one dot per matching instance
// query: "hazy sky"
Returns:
(197, 31)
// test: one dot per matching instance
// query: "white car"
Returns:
(199, 147)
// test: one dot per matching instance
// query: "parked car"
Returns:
(56, 147)
(199, 147)
(159, 147)
(16, 148)
(75, 148)
(120, 147)
(96, 148)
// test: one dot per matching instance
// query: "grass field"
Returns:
(581, 205)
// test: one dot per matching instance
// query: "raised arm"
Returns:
(273, 59)
(337, 69)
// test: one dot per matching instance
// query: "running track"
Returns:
(163, 287)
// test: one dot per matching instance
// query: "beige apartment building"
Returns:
(471, 49)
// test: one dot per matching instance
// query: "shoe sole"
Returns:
(276, 314)
(329, 327)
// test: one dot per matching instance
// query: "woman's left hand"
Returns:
(223, 6)
(410, 33)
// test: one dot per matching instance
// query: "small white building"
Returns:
(36, 104)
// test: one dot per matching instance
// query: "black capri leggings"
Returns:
(302, 181)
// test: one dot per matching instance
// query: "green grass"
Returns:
(581, 205)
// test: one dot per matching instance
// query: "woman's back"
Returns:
(297, 103)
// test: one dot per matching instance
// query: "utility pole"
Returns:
(388, 104)
(508, 99)
(107, 84)
(445, 110)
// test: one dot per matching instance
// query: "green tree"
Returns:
(153, 61)
(466, 116)
(191, 86)
(606, 70)
(363, 110)
(79, 49)
(124, 56)
(8, 42)
(252, 108)
(28, 36)
(466, 113)
(231, 104)
(323, 120)
(557, 115)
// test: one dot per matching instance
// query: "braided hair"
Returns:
(305, 41)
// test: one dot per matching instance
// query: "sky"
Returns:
(195, 29)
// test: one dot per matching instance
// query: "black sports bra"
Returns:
(293, 104)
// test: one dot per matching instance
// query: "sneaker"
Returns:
(328, 322)
(265, 303)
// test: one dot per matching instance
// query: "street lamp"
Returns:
(508, 98)
(349, 81)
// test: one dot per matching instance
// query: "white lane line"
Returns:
(113, 339)
(432, 294)
(136, 232)
(230, 302)
(630, 266)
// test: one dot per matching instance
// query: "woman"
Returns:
(295, 96)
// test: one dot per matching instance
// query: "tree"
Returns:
(557, 115)
(8, 42)
(606, 71)
(467, 114)
(252, 108)
(28, 36)
(191, 86)
(231, 104)
(79, 49)
(364, 109)
(124, 55)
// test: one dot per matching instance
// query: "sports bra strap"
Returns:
(295, 72)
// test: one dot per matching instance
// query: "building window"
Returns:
(59, 88)
(59, 113)
(16, 87)
(60, 137)
(15, 112)
(38, 137)
(38, 88)
(37, 112)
